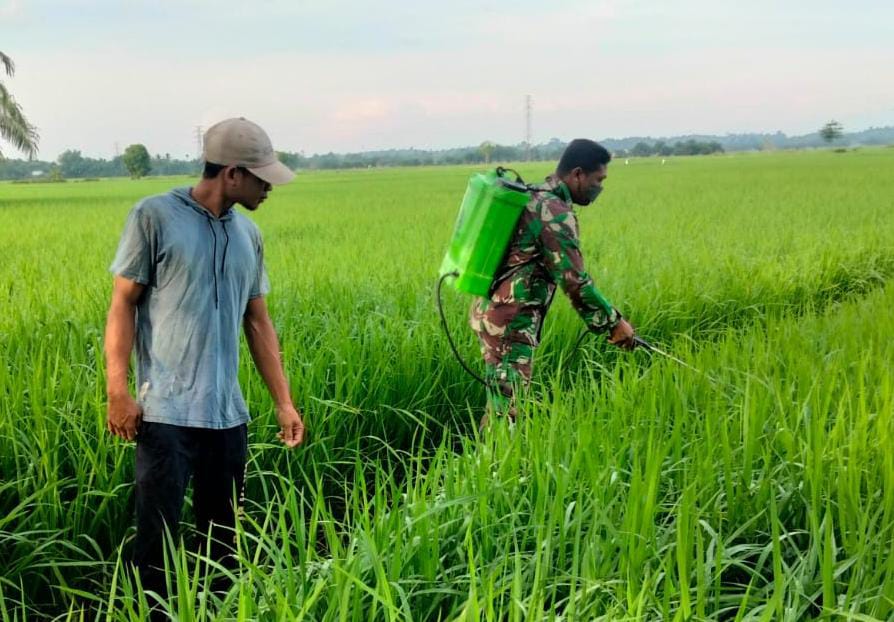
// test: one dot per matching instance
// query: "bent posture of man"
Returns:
(543, 252)
(189, 272)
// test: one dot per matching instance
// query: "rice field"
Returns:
(759, 486)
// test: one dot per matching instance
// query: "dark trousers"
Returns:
(167, 456)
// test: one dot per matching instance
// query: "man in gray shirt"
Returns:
(189, 271)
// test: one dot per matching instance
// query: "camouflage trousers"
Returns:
(508, 335)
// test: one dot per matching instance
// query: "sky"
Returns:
(98, 75)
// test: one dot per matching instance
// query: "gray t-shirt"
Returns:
(200, 272)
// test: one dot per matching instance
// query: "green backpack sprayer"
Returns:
(490, 209)
(487, 218)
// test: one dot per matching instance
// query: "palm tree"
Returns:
(14, 127)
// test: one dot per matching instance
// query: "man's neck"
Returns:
(210, 195)
(561, 185)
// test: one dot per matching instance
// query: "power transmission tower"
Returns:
(199, 142)
(528, 109)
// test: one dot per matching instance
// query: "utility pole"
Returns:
(528, 109)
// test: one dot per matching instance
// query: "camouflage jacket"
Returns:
(543, 252)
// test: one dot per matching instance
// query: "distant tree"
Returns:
(72, 163)
(292, 160)
(831, 131)
(682, 148)
(137, 161)
(115, 168)
(550, 151)
(14, 127)
(327, 160)
(663, 149)
(508, 153)
(641, 150)
(486, 149)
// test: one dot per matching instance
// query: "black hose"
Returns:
(447, 331)
(639, 342)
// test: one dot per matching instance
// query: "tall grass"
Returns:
(631, 489)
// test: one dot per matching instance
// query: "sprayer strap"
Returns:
(535, 189)
(560, 191)
(502, 170)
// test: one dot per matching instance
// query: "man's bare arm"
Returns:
(123, 412)
(264, 346)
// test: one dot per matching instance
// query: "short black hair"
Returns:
(212, 170)
(584, 153)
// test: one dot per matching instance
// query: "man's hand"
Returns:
(291, 426)
(622, 335)
(124, 416)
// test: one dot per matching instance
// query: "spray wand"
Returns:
(639, 342)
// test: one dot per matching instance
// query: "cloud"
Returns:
(341, 78)
(11, 10)
(361, 110)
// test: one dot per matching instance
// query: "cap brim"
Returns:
(276, 173)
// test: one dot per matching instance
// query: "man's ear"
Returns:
(229, 174)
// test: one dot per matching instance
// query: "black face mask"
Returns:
(593, 192)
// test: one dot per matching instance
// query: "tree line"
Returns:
(137, 162)
(72, 164)
(680, 148)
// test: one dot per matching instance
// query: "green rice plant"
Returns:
(632, 487)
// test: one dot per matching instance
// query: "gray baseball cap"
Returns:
(239, 142)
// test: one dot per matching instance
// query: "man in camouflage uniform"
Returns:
(543, 252)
